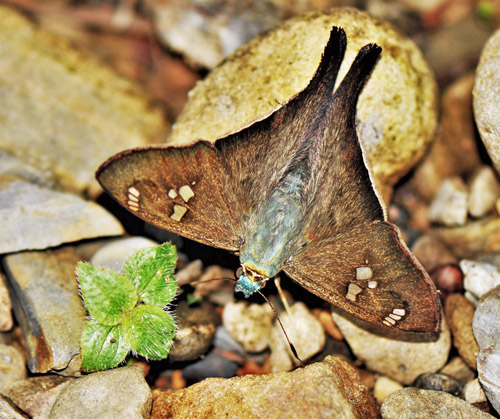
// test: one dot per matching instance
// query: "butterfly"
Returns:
(289, 193)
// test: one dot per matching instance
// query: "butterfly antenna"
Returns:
(202, 281)
(292, 348)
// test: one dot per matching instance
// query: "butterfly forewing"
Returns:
(182, 190)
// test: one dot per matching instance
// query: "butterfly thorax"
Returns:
(269, 232)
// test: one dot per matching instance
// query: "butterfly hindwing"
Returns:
(353, 257)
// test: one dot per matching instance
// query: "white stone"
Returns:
(449, 206)
(479, 277)
(484, 190)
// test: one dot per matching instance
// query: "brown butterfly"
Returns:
(291, 192)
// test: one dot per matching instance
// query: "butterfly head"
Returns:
(248, 281)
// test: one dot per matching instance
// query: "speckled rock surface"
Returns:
(486, 98)
(63, 112)
(117, 393)
(396, 110)
(413, 403)
(331, 388)
(400, 360)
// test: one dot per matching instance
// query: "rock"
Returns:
(439, 382)
(48, 306)
(459, 314)
(225, 342)
(331, 388)
(449, 206)
(117, 393)
(487, 333)
(401, 360)
(414, 403)
(485, 98)
(6, 321)
(454, 151)
(9, 410)
(473, 392)
(34, 217)
(384, 387)
(195, 331)
(458, 369)
(189, 273)
(13, 167)
(12, 366)
(448, 279)
(77, 113)
(396, 110)
(305, 333)
(214, 364)
(479, 277)
(475, 238)
(207, 32)
(36, 395)
(484, 191)
(113, 255)
(249, 324)
(431, 253)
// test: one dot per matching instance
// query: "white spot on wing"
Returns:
(364, 272)
(352, 291)
(372, 284)
(179, 212)
(399, 311)
(133, 191)
(186, 192)
(172, 194)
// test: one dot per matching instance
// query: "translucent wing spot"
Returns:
(179, 212)
(172, 194)
(186, 193)
(352, 291)
(396, 315)
(133, 199)
(372, 284)
(364, 272)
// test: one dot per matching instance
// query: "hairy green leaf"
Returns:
(102, 347)
(107, 295)
(152, 272)
(149, 331)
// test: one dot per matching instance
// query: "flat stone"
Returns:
(12, 366)
(36, 395)
(459, 314)
(207, 33)
(396, 123)
(114, 254)
(458, 369)
(47, 305)
(449, 206)
(330, 388)
(196, 328)
(35, 217)
(474, 238)
(414, 403)
(484, 191)
(479, 278)
(401, 360)
(454, 151)
(439, 382)
(432, 253)
(249, 324)
(117, 393)
(487, 333)
(64, 112)
(6, 321)
(486, 99)
(384, 387)
(305, 333)
(9, 410)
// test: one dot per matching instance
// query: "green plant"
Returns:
(128, 311)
